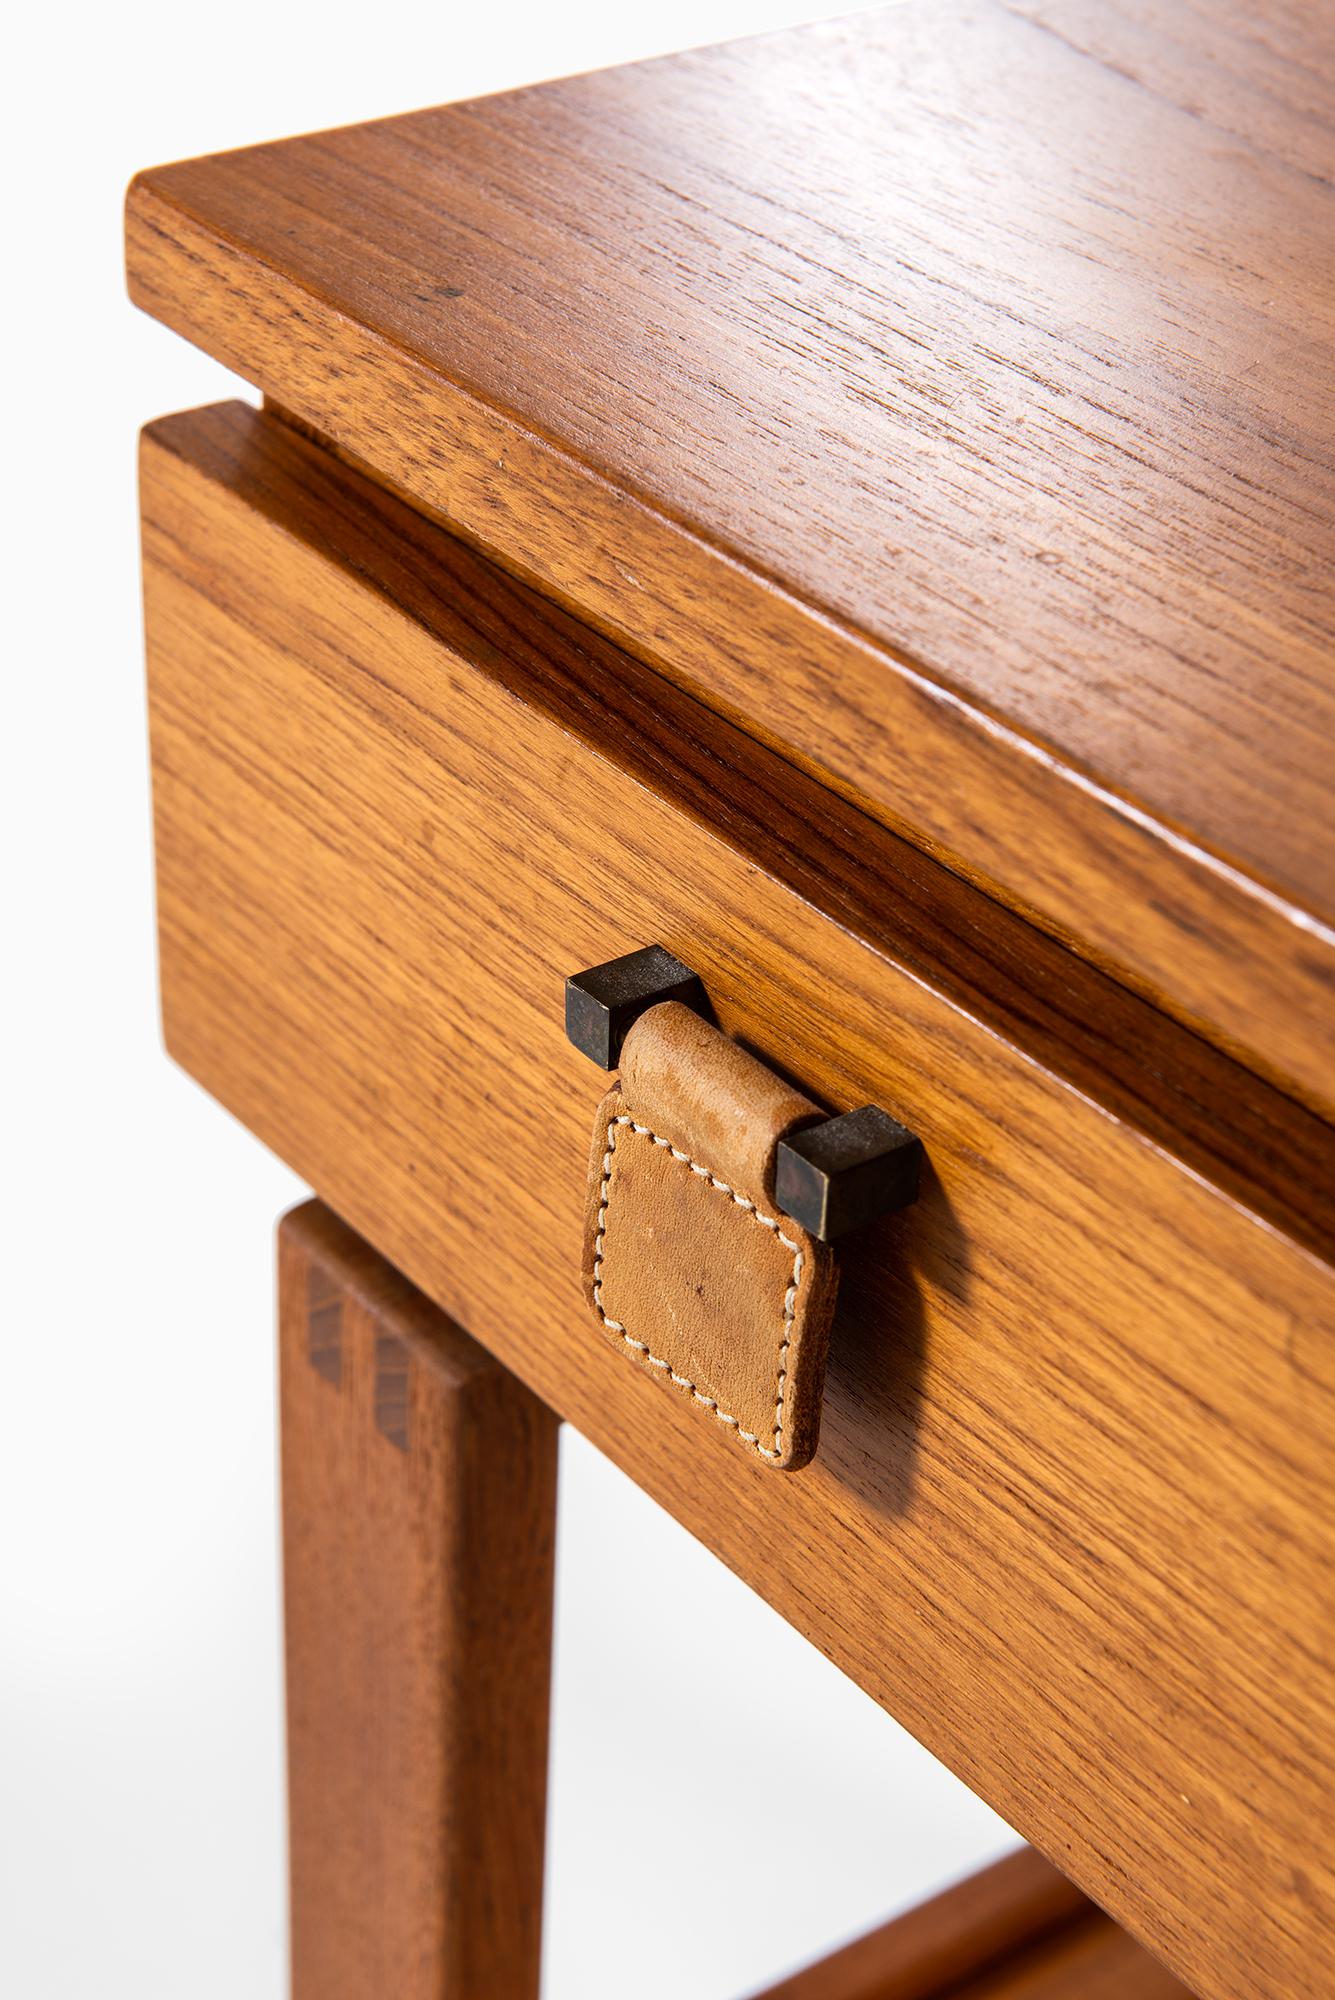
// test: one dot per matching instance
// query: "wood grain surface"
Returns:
(947, 393)
(1220, 1119)
(419, 1502)
(1071, 1520)
(1016, 1929)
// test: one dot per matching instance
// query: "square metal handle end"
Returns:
(602, 1003)
(846, 1171)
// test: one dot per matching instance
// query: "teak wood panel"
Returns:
(1220, 1119)
(419, 1518)
(946, 392)
(1071, 1520)
(1015, 1931)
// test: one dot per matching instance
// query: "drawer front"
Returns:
(1071, 1517)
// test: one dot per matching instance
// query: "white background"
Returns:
(141, 1832)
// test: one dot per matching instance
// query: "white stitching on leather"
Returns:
(653, 1360)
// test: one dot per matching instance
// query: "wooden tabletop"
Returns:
(946, 392)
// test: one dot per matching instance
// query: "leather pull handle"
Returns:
(830, 1175)
(699, 1084)
(690, 1267)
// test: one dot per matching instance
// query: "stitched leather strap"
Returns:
(689, 1267)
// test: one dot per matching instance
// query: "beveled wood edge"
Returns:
(1223, 953)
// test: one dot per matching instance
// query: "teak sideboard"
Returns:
(855, 511)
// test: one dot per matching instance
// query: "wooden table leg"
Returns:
(419, 1493)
